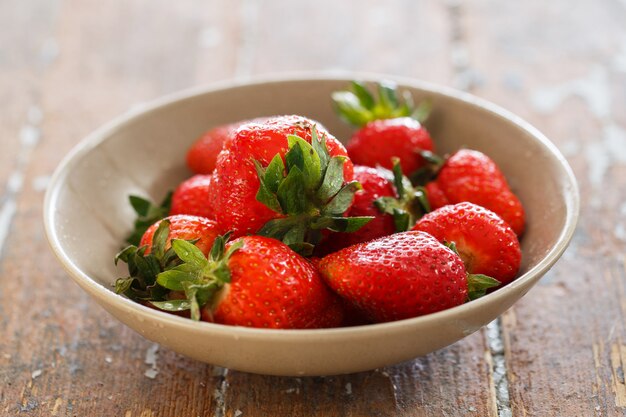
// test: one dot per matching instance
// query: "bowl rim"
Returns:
(571, 200)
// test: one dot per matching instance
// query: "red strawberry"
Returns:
(485, 242)
(400, 276)
(184, 227)
(472, 176)
(255, 282)
(280, 179)
(388, 128)
(156, 255)
(374, 186)
(202, 155)
(379, 141)
(192, 197)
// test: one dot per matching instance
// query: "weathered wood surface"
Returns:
(67, 67)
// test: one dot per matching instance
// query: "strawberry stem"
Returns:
(308, 191)
(358, 106)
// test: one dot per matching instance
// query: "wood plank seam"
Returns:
(465, 79)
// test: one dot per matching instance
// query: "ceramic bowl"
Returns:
(87, 217)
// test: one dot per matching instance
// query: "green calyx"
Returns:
(410, 205)
(429, 171)
(358, 105)
(199, 277)
(143, 269)
(477, 284)
(179, 270)
(148, 213)
(308, 190)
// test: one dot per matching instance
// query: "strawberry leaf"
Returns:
(311, 164)
(189, 253)
(358, 105)
(410, 205)
(478, 284)
(274, 173)
(291, 192)
(122, 285)
(366, 99)
(348, 224)
(159, 239)
(174, 279)
(125, 254)
(343, 199)
(333, 178)
(319, 147)
(295, 235)
(147, 214)
(423, 110)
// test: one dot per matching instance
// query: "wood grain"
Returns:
(82, 63)
(564, 340)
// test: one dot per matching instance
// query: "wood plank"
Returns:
(565, 340)
(60, 354)
(400, 37)
(363, 36)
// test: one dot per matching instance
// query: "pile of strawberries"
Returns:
(283, 227)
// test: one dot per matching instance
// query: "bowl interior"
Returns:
(145, 156)
(88, 214)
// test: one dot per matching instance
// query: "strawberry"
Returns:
(155, 255)
(199, 229)
(375, 185)
(389, 198)
(400, 276)
(192, 197)
(388, 127)
(253, 281)
(202, 155)
(486, 243)
(472, 176)
(281, 179)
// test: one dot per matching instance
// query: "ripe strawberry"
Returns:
(192, 197)
(404, 275)
(280, 179)
(375, 185)
(254, 281)
(486, 243)
(389, 198)
(155, 255)
(388, 128)
(472, 176)
(181, 226)
(202, 155)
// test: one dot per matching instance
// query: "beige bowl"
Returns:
(87, 216)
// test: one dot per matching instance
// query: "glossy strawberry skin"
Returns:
(185, 227)
(235, 180)
(472, 176)
(404, 275)
(485, 242)
(274, 287)
(374, 186)
(202, 155)
(379, 141)
(192, 197)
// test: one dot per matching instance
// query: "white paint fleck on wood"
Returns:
(151, 359)
(594, 89)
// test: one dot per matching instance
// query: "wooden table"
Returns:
(67, 67)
